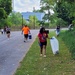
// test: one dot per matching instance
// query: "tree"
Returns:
(5, 9)
(16, 19)
(2, 13)
(33, 21)
(47, 6)
(6, 5)
(65, 11)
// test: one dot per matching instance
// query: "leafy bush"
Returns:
(61, 22)
(69, 38)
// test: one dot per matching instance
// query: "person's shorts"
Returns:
(26, 35)
(8, 32)
(43, 43)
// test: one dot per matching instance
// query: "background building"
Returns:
(37, 14)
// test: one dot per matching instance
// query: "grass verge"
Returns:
(69, 39)
(33, 64)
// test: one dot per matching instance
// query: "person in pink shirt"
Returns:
(42, 39)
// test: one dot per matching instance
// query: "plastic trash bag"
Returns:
(54, 45)
(30, 36)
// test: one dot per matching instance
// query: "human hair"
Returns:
(25, 25)
(42, 30)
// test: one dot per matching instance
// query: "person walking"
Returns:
(1, 31)
(25, 31)
(4, 30)
(8, 31)
(42, 39)
(58, 30)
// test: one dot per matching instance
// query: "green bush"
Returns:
(69, 38)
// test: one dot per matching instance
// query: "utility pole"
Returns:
(22, 20)
(34, 22)
(12, 5)
(34, 16)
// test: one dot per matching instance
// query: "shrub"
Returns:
(69, 39)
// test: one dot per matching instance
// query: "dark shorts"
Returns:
(26, 35)
(43, 43)
(8, 32)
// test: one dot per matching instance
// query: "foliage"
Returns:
(61, 22)
(65, 11)
(5, 9)
(69, 38)
(15, 18)
(4, 22)
(2, 13)
(46, 7)
(73, 22)
(33, 21)
(6, 5)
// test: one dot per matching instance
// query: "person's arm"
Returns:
(29, 31)
(38, 38)
(49, 37)
(22, 31)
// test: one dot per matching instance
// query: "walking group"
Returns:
(6, 30)
(42, 38)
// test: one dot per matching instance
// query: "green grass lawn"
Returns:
(33, 64)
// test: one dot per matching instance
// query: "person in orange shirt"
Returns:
(26, 31)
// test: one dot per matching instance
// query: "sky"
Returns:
(25, 5)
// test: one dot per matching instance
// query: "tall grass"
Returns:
(69, 39)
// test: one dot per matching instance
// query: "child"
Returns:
(42, 38)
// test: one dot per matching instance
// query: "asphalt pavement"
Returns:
(12, 51)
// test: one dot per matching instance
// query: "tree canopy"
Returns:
(5, 7)
(64, 9)
(5, 10)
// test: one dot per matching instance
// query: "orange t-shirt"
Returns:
(25, 30)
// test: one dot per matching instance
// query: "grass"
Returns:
(70, 41)
(33, 64)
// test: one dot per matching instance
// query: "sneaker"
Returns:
(40, 54)
(44, 56)
(24, 41)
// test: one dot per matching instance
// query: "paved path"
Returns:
(13, 50)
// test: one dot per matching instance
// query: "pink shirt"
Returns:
(42, 37)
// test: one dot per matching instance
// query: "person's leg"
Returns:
(1, 32)
(44, 50)
(41, 50)
(9, 35)
(24, 38)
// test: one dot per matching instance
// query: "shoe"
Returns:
(24, 41)
(40, 54)
(44, 56)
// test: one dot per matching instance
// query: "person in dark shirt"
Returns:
(57, 30)
(8, 32)
(4, 30)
